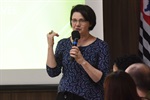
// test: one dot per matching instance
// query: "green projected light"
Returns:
(24, 25)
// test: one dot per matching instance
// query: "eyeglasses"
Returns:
(81, 21)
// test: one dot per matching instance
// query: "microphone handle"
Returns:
(75, 42)
(71, 58)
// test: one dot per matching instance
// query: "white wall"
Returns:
(97, 6)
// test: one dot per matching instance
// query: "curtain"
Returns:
(121, 26)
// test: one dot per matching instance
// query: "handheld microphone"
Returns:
(75, 37)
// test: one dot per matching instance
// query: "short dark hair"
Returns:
(125, 61)
(87, 12)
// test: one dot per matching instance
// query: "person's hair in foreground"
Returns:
(140, 73)
(119, 85)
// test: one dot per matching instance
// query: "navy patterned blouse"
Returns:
(74, 78)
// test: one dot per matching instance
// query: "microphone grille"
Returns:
(75, 34)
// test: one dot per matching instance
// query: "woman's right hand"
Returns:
(50, 38)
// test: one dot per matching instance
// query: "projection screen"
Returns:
(23, 43)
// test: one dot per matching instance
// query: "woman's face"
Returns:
(79, 23)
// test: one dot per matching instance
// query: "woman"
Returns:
(119, 85)
(83, 77)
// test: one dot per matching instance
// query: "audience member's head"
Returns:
(119, 85)
(122, 62)
(141, 75)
